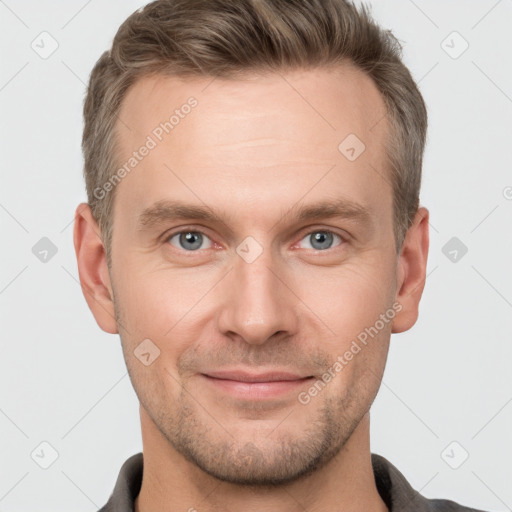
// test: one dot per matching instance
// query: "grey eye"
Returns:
(189, 240)
(320, 240)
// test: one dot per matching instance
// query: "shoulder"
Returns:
(450, 506)
(399, 495)
(127, 486)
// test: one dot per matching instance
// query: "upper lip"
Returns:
(243, 376)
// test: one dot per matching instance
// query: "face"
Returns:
(248, 245)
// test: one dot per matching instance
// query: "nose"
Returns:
(258, 301)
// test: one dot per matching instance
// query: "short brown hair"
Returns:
(225, 38)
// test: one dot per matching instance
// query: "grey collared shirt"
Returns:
(394, 489)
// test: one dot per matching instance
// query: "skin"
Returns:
(252, 150)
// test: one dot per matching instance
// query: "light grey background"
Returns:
(63, 380)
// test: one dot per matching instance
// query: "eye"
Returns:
(320, 240)
(189, 240)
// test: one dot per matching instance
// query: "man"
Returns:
(253, 233)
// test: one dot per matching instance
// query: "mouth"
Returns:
(252, 386)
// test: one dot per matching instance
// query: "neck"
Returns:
(170, 482)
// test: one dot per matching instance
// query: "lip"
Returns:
(251, 386)
(242, 376)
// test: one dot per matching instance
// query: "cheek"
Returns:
(350, 301)
(158, 298)
(164, 306)
(349, 297)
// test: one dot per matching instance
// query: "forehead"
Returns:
(333, 99)
(254, 134)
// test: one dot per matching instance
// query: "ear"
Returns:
(92, 268)
(411, 271)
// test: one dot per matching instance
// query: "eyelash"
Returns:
(168, 237)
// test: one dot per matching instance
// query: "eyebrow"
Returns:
(171, 210)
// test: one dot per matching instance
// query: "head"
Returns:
(253, 170)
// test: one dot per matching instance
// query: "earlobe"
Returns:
(411, 271)
(92, 268)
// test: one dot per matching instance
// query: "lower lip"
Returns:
(257, 390)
